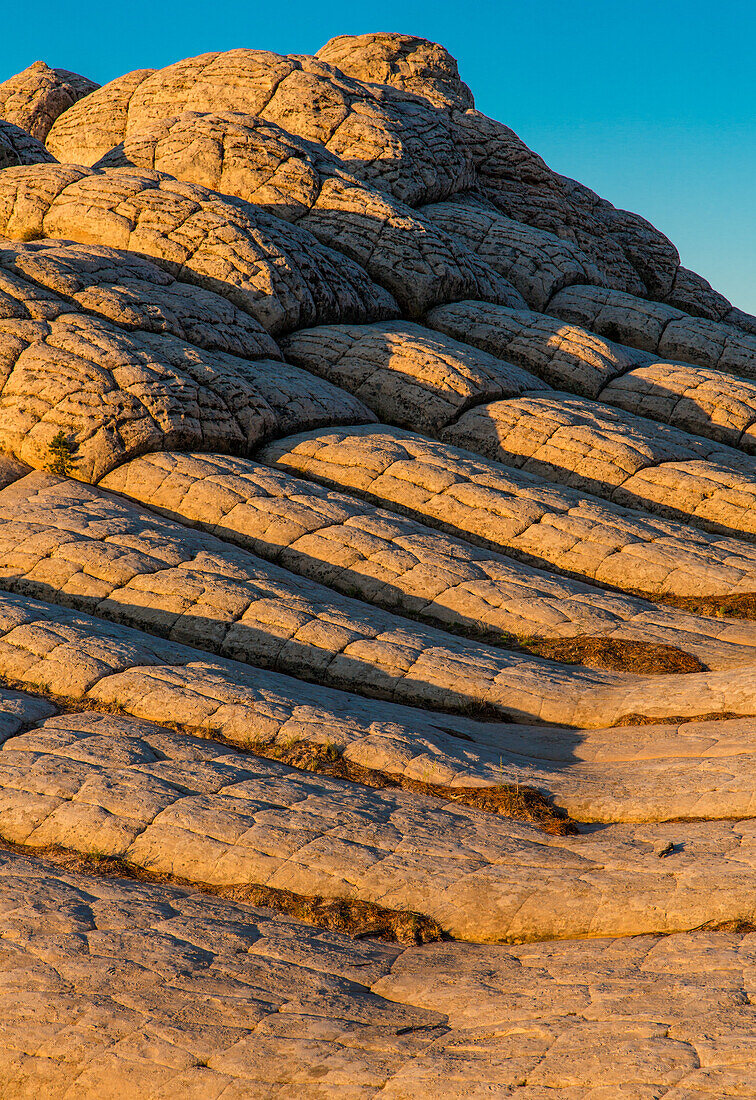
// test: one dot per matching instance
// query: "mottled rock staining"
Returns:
(377, 602)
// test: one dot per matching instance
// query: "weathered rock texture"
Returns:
(114, 394)
(255, 160)
(705, 401)
(414, 64)
(19, 147)
(278, 273)
(538, 263)
(206, 814)
(376, 546)
(41, 280)
(658, 328)
(251, 1005)
(154, 575)
(395, 141)
(387, 559)
(528, 517)
(36, 97)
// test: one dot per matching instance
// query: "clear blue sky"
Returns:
(652, 104)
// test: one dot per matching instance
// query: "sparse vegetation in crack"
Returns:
(348, 916)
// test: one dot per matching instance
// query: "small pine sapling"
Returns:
(62, 455)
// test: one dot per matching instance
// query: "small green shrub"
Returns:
(62, 455)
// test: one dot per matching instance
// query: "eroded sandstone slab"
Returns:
(402, 60)
(36, 97)
(42, 279)
(276, 272)
(397, 563)
(412, 1020)
(618, 456)
(18, 710)
(538, 263)
(659, 328)
(113, 394)
(187, 810)
(521, 515)
(391, 140)
(700, 400)
(699, 768)
(408, 375)
(18, 147)
(67, 542)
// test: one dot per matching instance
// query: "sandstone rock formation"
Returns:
(531, 518)
(392, 140)
(397, 563)
(19, 147)
(414, 64)
(706, 401)
(36, 97)
(254, 160)
(250, 1003)
(279, 274)
(44, 279)
(377, 602)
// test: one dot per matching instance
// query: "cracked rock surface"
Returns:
(538, 263)
(394, 141)
(377, 602)
(94, 554)
(251, 1003)
(43, 279)
(279, 274)
(705, 401)
(294, 179)
(19, 147)
(527, 517)
(389, 560)
(183, 807)
(702, 767)
(35, 98)
(660, 329)
(115, 394)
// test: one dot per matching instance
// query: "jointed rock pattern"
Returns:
(376, 546)
(254, 160)
(394, 562)
(705, 401)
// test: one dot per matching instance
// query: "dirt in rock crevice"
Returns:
(349, 916)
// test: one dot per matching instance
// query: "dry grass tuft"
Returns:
(676, 719)
(508, 800)
(615, 654)
(720, 607)
(742, 927)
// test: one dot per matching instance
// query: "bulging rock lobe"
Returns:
(413, 64)
(34, 98)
